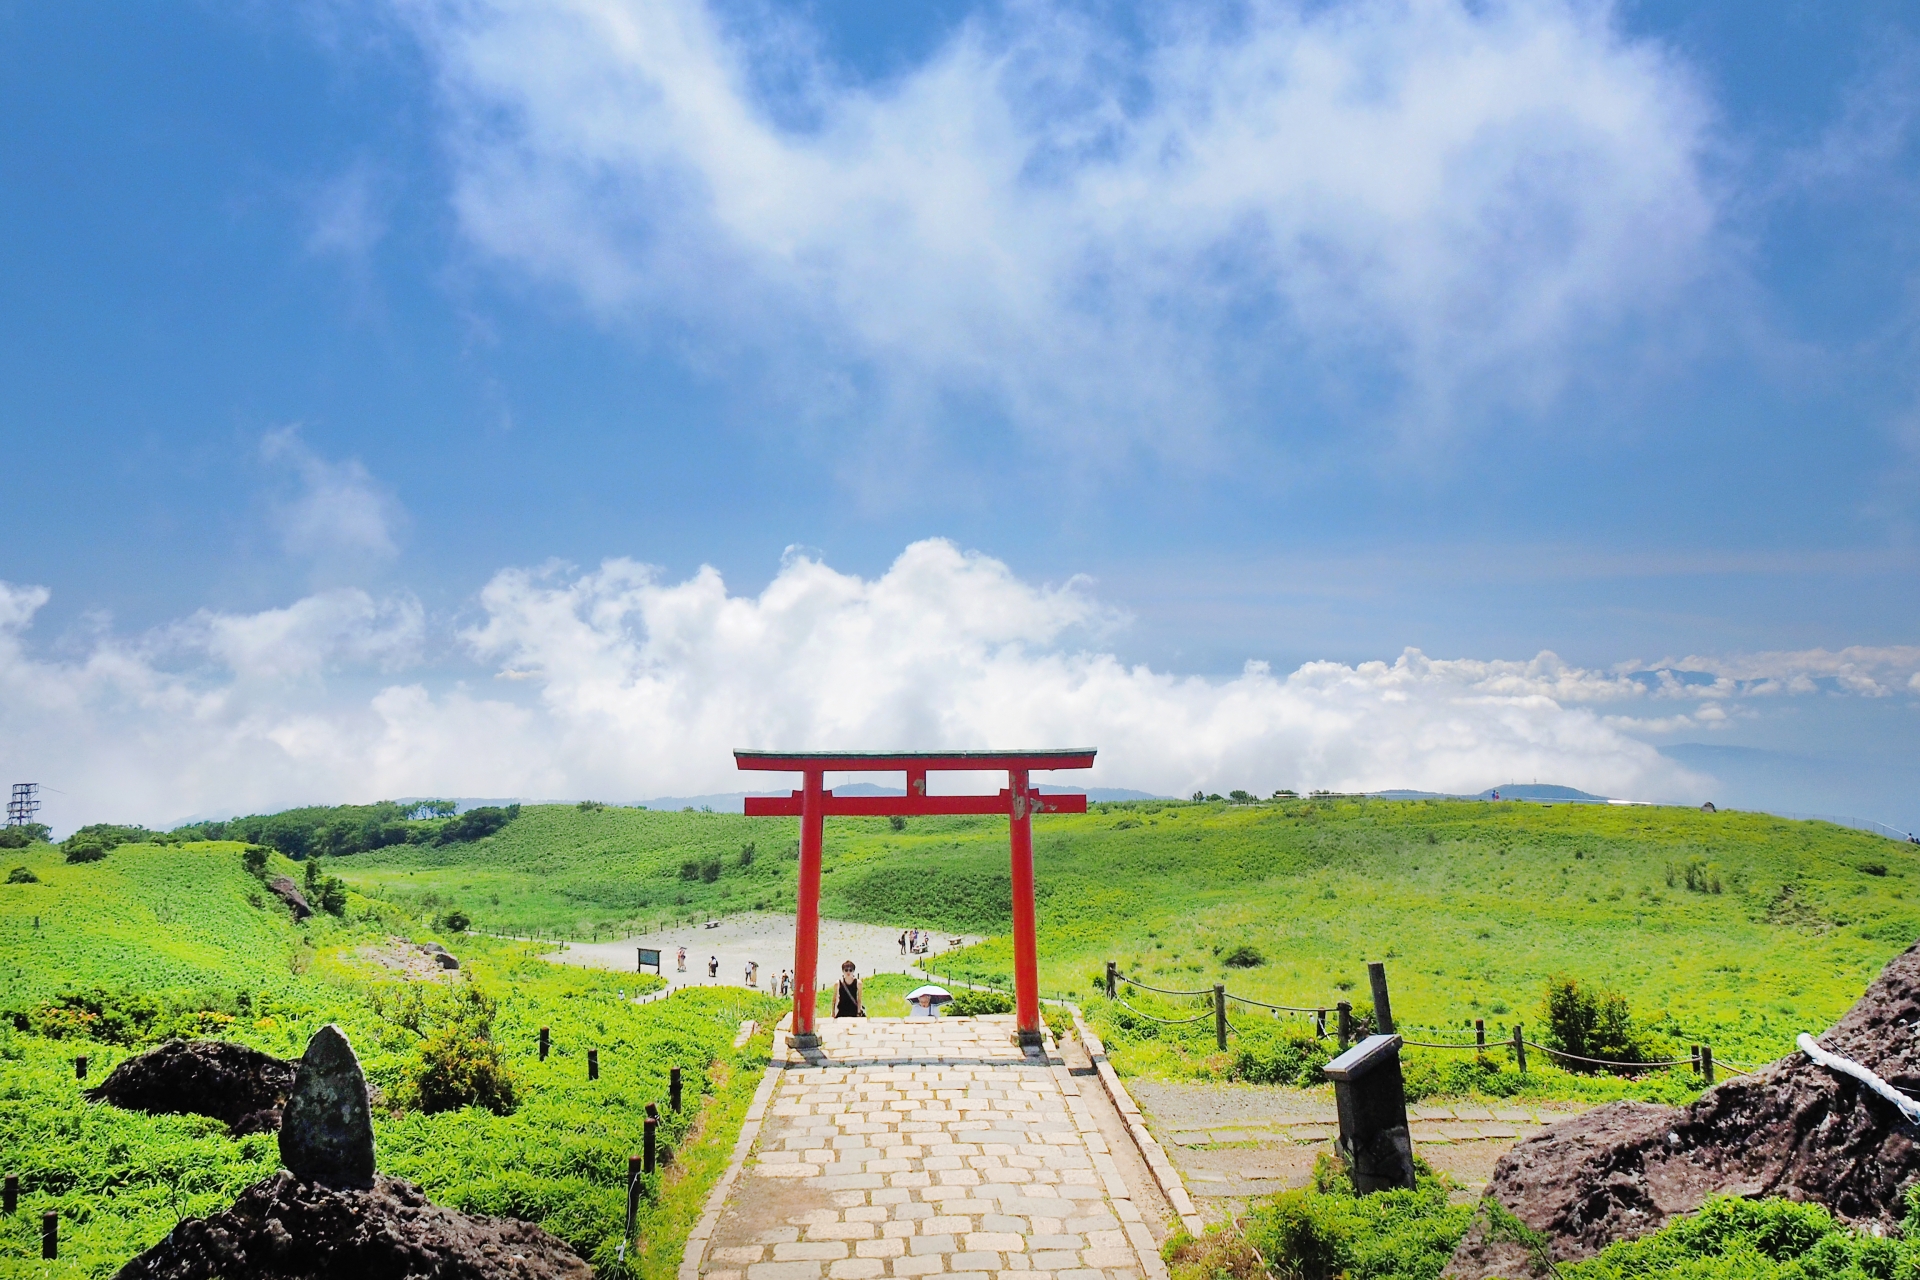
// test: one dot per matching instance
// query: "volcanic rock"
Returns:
(1791, 1129)
(230, 1082)
(289, 892)
(327, 1131)
(287, 1229)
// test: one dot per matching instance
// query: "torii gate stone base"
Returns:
(813, 803)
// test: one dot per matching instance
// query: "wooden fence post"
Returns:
(1112, 978)
(1382, 1011)
(673, 1089)
(651, 1131)
(80, 1067)
(1345, 1009)
(1320, 1024)
(50, 1234)
(1519, 1048)
(1706, 1063)
(593, 1064)
(1220, 1015)
(545, 1040)
(10, 1197)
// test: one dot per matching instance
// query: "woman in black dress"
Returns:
(846, 994)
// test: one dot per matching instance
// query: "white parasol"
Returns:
(940, 994)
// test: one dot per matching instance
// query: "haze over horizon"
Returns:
(545, 397)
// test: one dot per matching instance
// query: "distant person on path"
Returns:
(753, 973)
(683, 959)
(846, 994)
(903, 942)
(713, 966)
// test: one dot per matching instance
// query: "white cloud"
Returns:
(339, 513)
(1103, 239)
(631, 686)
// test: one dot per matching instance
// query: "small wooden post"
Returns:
(1695, 1054)
(1113, 977)
(50, 1234)
(1320, 1024)
(673, 1089)
(1220, 1015)
(593, 1064)
(1382, 1011)
(10, 1195)
(1706, 1063)
(80, 1067)
(650, 1130)
(1519, 1049)
(545, 1041)
(634, 1169)
(1345, 1008)
(1480, 1034)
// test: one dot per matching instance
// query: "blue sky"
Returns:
(1204, 335)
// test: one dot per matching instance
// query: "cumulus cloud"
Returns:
(619, 683)
(339, 513)
(1114, 238)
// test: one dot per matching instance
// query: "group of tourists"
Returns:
(915, 942)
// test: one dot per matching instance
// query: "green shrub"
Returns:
(1326, 1230)
(1221, 1254)
(1244, 956)
(21, 875)
(254, 859)
(1589, 1022)
(456, 921)
(974, 1004)
(16, 836)
(1756, 1240)
(86, 852)
(710, 870)
(1266, 1056)
(459, 1065)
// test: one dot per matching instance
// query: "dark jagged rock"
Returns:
(287, 1229)
(1791, 1129)
(289, 892)
(326, 1134)
(230, 1082)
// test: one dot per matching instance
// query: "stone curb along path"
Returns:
(1150, 1150)
(912, 1147)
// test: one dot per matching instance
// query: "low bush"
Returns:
(1327, 1230)
(1273, 1057)
(1588, 1021)
(22, 875)
(86, 852)
(1757, 1240)
(18, 835)
(458, 1064)
(1221, 1254)
(974, 1004)
(1244, 956)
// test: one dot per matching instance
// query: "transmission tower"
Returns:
(24, 803)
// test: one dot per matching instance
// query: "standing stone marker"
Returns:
(1372, 1101)
(326, 1133)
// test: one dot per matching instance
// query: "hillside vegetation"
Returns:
(106, 957)
(1731, 928)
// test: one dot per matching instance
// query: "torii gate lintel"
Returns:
(813, 803)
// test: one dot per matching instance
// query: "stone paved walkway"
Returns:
(919, 1147)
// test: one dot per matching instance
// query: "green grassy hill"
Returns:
(108, 957)
(1472, 906)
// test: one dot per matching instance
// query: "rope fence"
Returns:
(1351, 1028)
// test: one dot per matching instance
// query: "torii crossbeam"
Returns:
(812, 804)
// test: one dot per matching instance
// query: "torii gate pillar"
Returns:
(812, 803)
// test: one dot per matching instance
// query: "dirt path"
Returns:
(759, 936)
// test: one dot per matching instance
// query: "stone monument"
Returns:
(326, 1134)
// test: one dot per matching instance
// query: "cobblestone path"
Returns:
(920, 1147)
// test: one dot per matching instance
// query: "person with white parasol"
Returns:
(925, 1002)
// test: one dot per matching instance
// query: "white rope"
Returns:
(1846, 1067)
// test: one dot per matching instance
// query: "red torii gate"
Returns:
(812, 804)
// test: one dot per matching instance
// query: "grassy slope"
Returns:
(1472, 905)
(179, 922)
